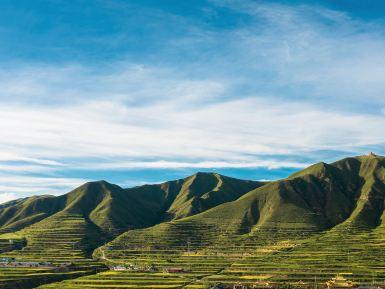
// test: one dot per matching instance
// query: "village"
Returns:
(13, 263)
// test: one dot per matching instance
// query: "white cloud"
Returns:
(231, 131)
(5, 197)
(308, 79)
(270, 164)
(21, 185)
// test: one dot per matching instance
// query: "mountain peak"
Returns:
(99, 182)
(93, 187)
(371, 155)
(202, 174)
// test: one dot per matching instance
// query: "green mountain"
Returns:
(24, 212)
(97, 211)
(349, 192)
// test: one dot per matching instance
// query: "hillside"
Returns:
(348, 192)
(325, 220)
(97, 211)
(20, 213)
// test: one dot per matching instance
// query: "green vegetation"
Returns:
(207, 229)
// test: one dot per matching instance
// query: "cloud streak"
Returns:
(13, 186)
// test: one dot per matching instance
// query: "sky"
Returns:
(145, 91)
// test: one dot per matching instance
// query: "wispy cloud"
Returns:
(21, 185)
(270, 164)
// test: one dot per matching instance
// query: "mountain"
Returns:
(20, 213)
(97, 211)
(203, 207)
(297, 232)
(112, 208)
(349, 192)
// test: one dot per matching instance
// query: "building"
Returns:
(175, 270)
(119, 268)
(16, 264)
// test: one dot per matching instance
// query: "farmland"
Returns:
(58, 241)
(300, 263)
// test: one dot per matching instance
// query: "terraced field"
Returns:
(23, 278)
(114, 280)
(11, 242)
(59, 238)
(298, 258)
(207, 257)
(356, 252)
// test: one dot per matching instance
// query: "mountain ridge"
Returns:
(348, 193)
(297, 232)
(104, 210)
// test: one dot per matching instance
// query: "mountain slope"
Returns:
(111, 207)
(325, 220)
(97, 211)
(298, 232)
(349, 192)
(205, 207)
(204, 191)
(24, 212)
(321, 196)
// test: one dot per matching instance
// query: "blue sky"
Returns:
(146, 91)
